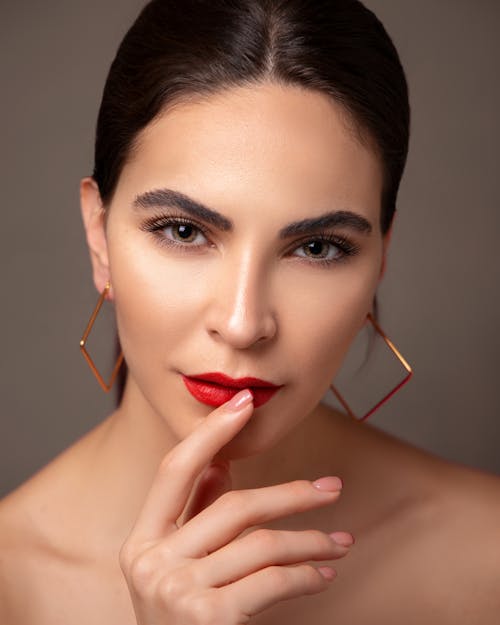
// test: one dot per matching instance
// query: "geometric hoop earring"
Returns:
(401, 359)
(106, 386)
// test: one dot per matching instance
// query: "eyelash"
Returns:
(156, 224)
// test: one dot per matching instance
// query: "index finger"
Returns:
(181, 466)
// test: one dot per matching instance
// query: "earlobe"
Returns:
(93, 215)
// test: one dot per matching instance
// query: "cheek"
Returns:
(162, 299)
(319, 319)
(325, 319)
(157, 305)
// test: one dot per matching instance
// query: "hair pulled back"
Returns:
(186, 50)
(181, 51)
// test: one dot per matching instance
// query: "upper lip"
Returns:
(225, 380)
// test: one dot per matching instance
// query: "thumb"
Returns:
(213, 482)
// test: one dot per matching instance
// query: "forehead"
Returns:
(266, 145)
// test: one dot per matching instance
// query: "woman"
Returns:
(248, 158)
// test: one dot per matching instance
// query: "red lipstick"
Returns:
(215, 389)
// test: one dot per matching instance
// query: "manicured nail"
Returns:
(344, 539)
(327, 572)
(329, 483)
(240, 400)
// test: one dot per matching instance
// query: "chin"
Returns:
(236, 450)
(255, 438)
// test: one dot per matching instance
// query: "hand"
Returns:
(201, 573)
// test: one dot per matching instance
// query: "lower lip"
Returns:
(216, 395)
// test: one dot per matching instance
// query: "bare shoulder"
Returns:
(31, 558)
(456, 507)
(42, 577)
(18, 546)
(468, 501)
(455, 550)
(431, 552)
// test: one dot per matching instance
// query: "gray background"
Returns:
(439, 301)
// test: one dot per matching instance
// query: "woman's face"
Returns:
(239, 293)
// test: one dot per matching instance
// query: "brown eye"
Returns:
(321, 249)
(184, 232)
(179, 232)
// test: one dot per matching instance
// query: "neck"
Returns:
(122, 456)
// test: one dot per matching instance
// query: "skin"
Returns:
(233, 307)
(156, 482)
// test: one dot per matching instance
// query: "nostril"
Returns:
(241, 336)
(241, 321)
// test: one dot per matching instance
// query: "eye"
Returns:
(176, 231)
(326, 249)
(184, 233)
(321, 249)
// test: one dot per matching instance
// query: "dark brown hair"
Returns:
(186, 50)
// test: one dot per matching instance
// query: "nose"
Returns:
(240, 312)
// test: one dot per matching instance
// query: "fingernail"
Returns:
(240, 400)
(327, 572)
(343, 538)
(329, 483)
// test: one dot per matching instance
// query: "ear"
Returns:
(94, 221)
(385, 244)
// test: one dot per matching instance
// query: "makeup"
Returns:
(214, 389)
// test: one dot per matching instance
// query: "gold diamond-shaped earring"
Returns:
(401, 359)
(106, 386)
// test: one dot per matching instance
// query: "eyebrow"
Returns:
(344, 218)
(158, 198)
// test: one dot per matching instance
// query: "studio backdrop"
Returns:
(440, 298)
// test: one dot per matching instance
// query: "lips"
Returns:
(215, 389)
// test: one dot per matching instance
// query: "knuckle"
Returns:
(204, 610)
(141, 572)
(300, 489)
(126, 556)
(175, 585)
(311, 577)
(264, 539)
(319, 541)
(278, 578)
(171, 464)
(232, 502)
(301, 493)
